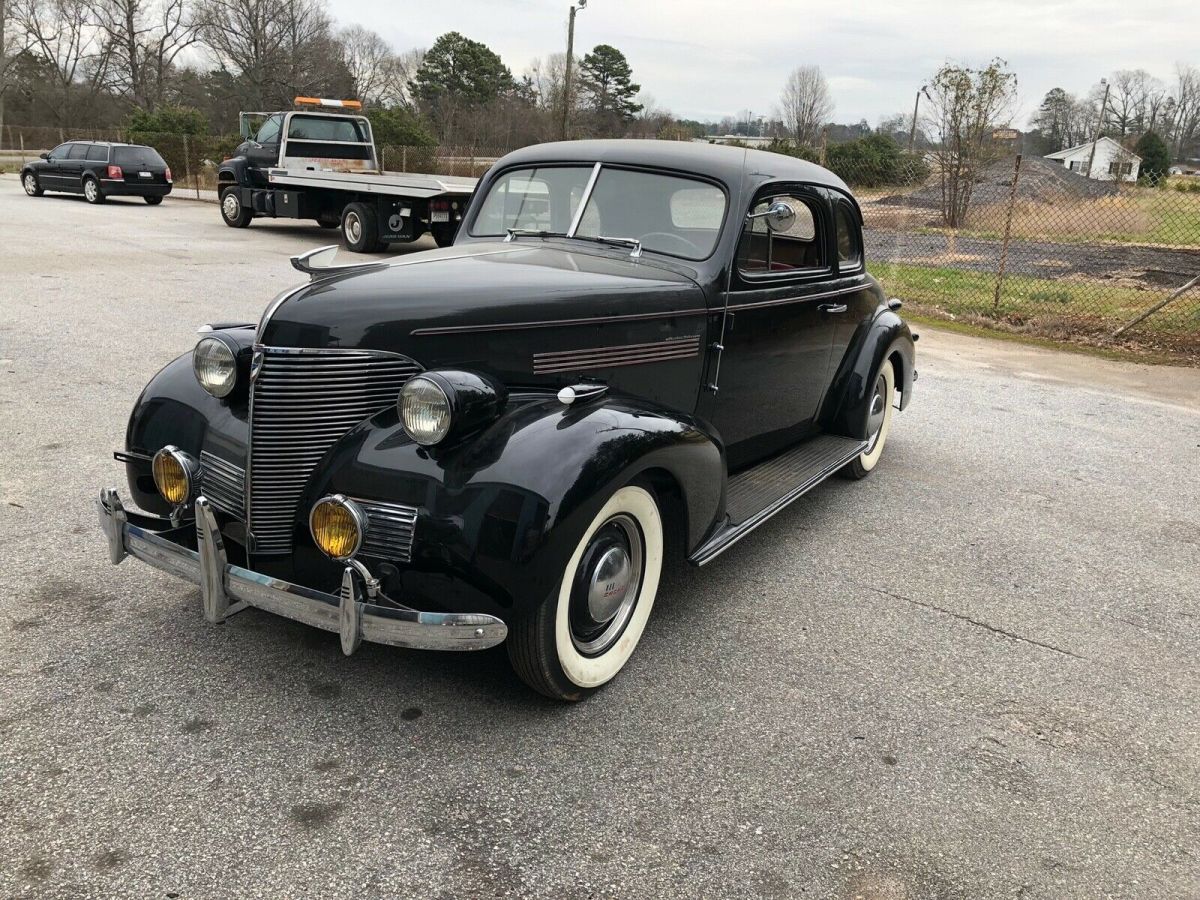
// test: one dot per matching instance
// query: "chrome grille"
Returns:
(223, 483)
(389, 530)
(301, 404)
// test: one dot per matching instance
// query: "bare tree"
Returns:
(64, 35)
(806, 104)
(397, 78)
(966, 106)
(1185, 116)
(13, 42)
(367, 57)
(143, 38)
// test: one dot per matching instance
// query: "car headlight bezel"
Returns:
(409, 415)
(216, 353)
(472, 400)
(172, 463)
(343, 549)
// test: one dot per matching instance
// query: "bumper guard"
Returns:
(227, 589)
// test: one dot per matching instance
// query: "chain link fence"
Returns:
(1042, 250)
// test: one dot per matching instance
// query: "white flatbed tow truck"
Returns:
(310, 163)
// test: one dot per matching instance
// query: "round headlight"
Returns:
(338, 526)
(425, 410)
(215, 366)
(173, 470)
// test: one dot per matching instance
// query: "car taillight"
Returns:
(168, 173)
(115, 172)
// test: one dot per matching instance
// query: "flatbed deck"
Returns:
(405, 184)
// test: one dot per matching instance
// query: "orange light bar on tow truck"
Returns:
(321, 101)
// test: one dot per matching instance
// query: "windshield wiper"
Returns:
(634, 243)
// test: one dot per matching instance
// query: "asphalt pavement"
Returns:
(972, 675)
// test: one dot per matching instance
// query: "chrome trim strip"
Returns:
(220, 581)
(583, 201)
(555, 323)
(612, 357)
(801, 299)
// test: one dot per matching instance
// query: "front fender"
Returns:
(502, 512)
(884, 336)
(174, 409)
(238, 170)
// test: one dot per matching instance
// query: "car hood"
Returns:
(450, 306)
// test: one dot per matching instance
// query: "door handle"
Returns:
(832, 307)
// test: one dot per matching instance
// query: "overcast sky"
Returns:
(706, 59)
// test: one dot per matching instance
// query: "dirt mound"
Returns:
(1042, 181)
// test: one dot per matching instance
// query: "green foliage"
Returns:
(398, 126)
(874, 161)
(606, 83)
(167, 120)
(789, 148)
(1156, 157)
(1185, 185)
(459, 70)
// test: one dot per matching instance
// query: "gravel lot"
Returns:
(972, 675)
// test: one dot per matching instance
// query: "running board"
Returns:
(753, 496)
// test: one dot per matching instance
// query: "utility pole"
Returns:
(912, 133)
(566, 117)
(1099, 125)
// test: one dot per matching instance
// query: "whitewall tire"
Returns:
(883, 398)
(584, 633)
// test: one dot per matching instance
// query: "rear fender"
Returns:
(884, 336)
(503, 511)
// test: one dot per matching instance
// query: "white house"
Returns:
(1111, 161)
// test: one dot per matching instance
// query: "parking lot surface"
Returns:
(973, 674)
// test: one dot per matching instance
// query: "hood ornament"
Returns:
(318, 263)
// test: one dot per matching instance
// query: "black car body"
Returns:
(631, 344)
(99, 169)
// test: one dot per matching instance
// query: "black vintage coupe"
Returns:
(631, 347)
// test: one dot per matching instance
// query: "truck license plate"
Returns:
(439, 215)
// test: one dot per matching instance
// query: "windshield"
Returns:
(137, 156)
(668, 214)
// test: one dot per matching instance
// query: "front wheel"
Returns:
(91, 191)
(30, 183)
(233, 212)
(879, 422)
(582, 635)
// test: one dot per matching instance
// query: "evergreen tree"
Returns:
(1156, 157)
(607, 88)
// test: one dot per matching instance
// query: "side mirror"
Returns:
(44, 155)
(780, 216)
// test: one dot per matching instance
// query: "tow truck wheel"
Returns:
(443, 235)
(232, 211)
(360, 228)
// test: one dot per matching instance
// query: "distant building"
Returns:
(1111, 161)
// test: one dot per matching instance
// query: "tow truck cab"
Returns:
(319, 161)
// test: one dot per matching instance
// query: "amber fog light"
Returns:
(338, 526)
(174, 474)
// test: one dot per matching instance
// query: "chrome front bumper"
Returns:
(227, 589)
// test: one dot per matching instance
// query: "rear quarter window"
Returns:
(97, 153)
(137, 156)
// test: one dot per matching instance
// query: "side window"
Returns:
(763, 251)
(97, 153)
(78, 151)
(269, 133)
(849, 252)
(61, 151)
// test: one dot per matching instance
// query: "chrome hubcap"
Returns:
(878, 409)
(353, 228)
(89, 190)
(230, 206)
(606, 586)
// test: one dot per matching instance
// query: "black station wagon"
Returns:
(632, 347)
(99, 169)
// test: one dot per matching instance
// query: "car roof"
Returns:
(731, 165)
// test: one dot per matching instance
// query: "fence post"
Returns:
(21, 136)
(404, 158)
(1012, 201)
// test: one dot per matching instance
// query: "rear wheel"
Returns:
(91, 190)
(443, 235)
(30, 183)
(879, 422)
(360, 228)
(582, 635)
(232, 211)
(153, 201)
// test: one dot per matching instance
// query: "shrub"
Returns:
(393, 125)
(166, 120)
(1156, 157)
(874, 161)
